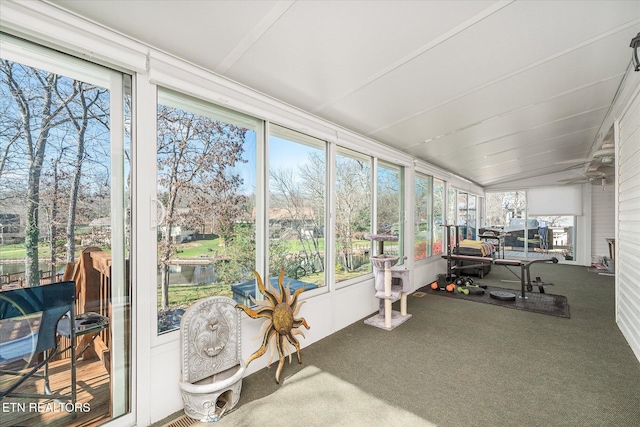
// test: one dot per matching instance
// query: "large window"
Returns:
(472, 217)
(64, 204)
(529, 236)
(466, 216)
(297, 180)
(206, 166)
(423, 217)
(452, 214)
(555, 234)
(504, 207)
(389, 206)
(462, 220)
(353, 214)
(438, 216)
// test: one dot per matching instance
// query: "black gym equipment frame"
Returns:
(453, 266)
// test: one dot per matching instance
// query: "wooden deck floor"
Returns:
(93, 398)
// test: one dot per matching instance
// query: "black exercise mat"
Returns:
(554, 305)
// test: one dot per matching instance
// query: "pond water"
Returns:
(16, 270)
(17, 267)
(186, 274)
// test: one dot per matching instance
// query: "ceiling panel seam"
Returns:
(508, 75)
(518, 176)
(487, 141)
(519, 109)
(444, 37)
(254, 35)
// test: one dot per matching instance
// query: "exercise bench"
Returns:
(525, 272)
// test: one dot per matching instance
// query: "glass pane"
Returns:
(471, 229)
(206, 190)
(452, 217)
(353, 214)
(554, 235)
(63, 218)
(506, 214)
(422, 217)
(297, 171)
(389, 198)
(462, 216)
(543, 235)
(438, 216)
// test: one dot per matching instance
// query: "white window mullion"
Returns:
(330, 217)
(262, 203)
(374, 203)
(119, 300)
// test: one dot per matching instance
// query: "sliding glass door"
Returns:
(64, 212)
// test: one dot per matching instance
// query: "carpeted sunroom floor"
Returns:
(462, 363)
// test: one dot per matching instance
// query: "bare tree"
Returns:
(353, 204)
(50, 199)
(289, 199)
(80, 116)
(196, 157)
(501, 207)
(388, 196)
(40, 105)
(42, 111)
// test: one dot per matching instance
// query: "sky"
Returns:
(283, 154)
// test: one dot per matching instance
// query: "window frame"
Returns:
(429, 220)
(399, 170)
(438, 229)
(201, 107)
(295, 136)
(350, 153)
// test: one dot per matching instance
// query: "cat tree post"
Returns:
(386, 291)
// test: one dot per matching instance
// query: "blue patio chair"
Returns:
(48, 304)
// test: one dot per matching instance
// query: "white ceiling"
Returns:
(493, 91)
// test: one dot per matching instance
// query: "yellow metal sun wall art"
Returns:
(279, 309)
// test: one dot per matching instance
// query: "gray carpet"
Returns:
(460, 364)
(316, 398)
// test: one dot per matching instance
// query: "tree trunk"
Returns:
(35, 154)
(167, 251)
(164, 280)
(73, 203)
(53, 229)
(31, 237)
(81, 128)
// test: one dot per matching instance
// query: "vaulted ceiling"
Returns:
(493, 91)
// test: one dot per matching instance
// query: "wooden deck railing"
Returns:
(92, 274)
(15, 280)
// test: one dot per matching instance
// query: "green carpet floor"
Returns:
(461, 363)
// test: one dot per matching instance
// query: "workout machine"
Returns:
(454, 265)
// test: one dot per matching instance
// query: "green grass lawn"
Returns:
(207, 248)
(17, 251)
(189, 250)
(185, 295)
(199, 247)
